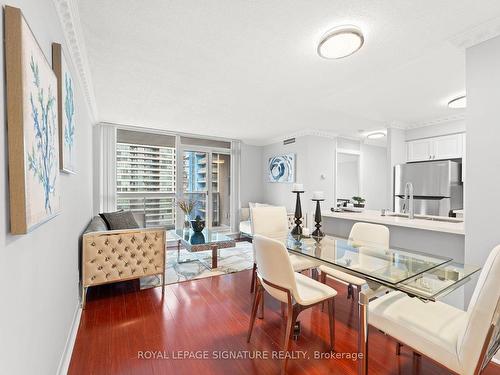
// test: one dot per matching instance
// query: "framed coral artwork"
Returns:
(32, 126)
(65, 110)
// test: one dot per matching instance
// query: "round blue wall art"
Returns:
(281, 168)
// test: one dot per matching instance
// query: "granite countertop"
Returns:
(373, 216)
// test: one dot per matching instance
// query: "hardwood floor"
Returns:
(120, 324)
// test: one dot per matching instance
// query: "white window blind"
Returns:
(145, 182)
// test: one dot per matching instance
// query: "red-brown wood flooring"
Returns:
(212, 314)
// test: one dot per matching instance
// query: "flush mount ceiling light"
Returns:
(460, 102)
(376, 135)
(341, 41)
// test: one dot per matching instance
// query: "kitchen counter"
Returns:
(373, 216)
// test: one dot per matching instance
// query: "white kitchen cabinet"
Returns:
(436, 148)
(419, 150)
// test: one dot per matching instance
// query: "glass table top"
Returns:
(420, 274)
(204, 237)
(439, 281)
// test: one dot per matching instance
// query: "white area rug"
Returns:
(230, 260)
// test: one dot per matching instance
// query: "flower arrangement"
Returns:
(187, 207)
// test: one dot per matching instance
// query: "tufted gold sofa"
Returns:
(110, 256)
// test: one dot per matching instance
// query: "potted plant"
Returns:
(187, 208)
(358, 202)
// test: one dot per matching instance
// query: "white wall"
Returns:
(251, 186)
(315, 156)
(39, 271)
(483, 161)
(450, 127)
(374, 168)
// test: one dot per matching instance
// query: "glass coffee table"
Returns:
(202, 241)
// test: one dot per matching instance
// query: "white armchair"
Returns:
(462, 341)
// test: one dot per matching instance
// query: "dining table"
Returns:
(428, 277)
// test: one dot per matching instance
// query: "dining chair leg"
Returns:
(398, 348)
(296, 324)
(331, 318)
(261, 315)
(314, 273)
(322, 279)
(254, 274)
(350, 291)
(288, 332)
(255, 306)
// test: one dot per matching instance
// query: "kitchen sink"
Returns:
(431, 218)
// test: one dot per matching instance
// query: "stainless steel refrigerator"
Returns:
(437, 187)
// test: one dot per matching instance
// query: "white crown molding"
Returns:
(75, 44)
(398, 125)
(436, 121)
(476, 34)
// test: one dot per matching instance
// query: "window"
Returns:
(145, 178)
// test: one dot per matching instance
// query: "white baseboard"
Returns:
(70, 342)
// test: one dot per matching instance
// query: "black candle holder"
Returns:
(297, 229)
(317, 218)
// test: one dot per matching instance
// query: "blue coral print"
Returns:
(42, 158)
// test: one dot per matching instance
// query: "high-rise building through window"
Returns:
(145, 178)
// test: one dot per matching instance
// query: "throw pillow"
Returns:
(119, 220)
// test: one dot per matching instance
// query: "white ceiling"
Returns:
(248, 69)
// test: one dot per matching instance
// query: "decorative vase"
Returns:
(198, 224)
(197, 238)
(187, 223)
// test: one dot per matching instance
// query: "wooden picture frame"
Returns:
(65, 110)
(31, 126)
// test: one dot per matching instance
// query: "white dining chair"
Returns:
(462, 341)
(275, 275)
(272, 222)
(361, 233)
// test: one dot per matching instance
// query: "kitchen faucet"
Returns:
(408, 204)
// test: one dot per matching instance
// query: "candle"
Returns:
(297, 187)
(317, 195)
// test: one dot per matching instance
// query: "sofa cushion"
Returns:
(119, 220)
(97, 224)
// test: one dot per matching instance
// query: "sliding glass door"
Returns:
(195, 181)
(207, 181)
